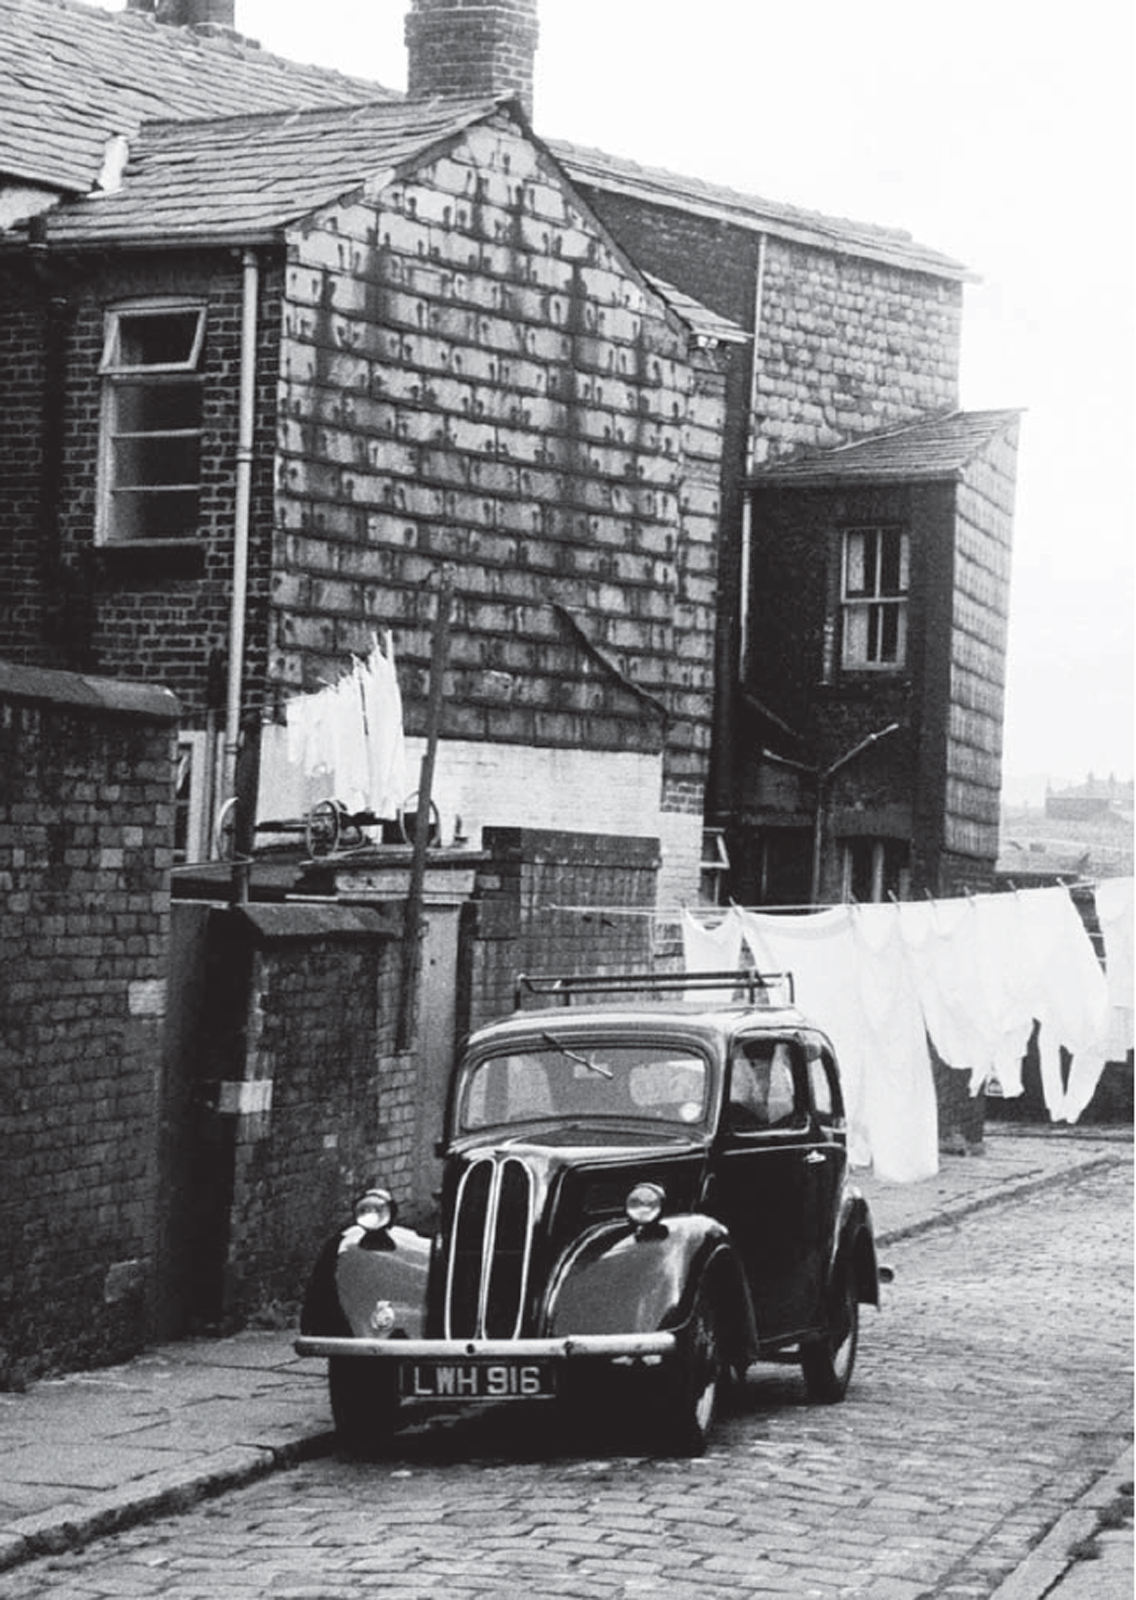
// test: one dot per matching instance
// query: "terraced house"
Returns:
(693, 575)
(287, 346)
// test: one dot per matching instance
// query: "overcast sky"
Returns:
(998, 131)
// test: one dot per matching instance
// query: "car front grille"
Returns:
(490, 1250)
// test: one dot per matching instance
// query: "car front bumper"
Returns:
(613, 1346)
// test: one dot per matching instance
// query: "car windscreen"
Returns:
(553, 1080)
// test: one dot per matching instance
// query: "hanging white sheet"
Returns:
(711, 949)
(1113, 900)
(341, 743)
(972, 975)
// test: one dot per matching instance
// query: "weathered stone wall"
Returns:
(983, 547)
(847, 344)
(474, 376)
(86, 833)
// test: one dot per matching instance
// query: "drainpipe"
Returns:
(823, 779)
(750, 464)
(242, 504)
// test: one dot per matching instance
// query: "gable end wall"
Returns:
(471, 375)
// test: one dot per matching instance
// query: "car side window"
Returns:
(825, 1091)
(763, 1088)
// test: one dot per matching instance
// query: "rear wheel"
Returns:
(697, 1385)
(364, 1402)
(827, 1362)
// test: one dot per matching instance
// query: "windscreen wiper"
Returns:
(593, 1066)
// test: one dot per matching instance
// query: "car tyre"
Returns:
(364, 1403)
(697, 1384)
(827, 1362)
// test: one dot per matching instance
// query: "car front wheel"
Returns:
(697, 1383)
(364, 1403)
(827, 1362)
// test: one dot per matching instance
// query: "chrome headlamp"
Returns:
(644, 1204)
(375, 1211)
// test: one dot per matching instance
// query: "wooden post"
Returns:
(412, 927)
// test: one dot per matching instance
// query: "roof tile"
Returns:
(939, 447)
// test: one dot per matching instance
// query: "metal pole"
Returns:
(413, 928)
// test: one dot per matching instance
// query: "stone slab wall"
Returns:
(86, 835)
(981, 607)
(474, 376)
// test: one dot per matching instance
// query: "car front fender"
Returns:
(369, 1286)
(619, 1280)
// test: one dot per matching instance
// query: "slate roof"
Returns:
(242, 178)
(597, 169)
(704, 322)
(938, 448)
(71, 76)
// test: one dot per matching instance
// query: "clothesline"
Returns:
(706, 910)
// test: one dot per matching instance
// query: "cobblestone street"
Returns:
(992, 1390)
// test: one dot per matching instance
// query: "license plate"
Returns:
(477, 1380)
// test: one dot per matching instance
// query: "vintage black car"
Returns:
(638, 1198)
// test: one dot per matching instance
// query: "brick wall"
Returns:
(519, 918)
(86, 831)
(475, 51)
(299, 1098)
(321, 1007)
(152, 614)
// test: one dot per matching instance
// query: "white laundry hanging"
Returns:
(1113, 898)
(707, 949)
(817, 949)
(344, 742)
(972, 975)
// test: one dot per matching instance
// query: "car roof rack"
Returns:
(756, 986)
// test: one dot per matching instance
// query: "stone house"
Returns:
(847, 463)
(289, 362)
(449, 364)
(579, 432)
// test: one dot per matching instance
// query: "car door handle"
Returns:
(813, 1157)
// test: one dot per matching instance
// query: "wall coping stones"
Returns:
(47, 686)
(274, 923)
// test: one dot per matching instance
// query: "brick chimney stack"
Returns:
(471, 49)
(194, 13)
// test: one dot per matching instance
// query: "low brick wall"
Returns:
(86, 844)
(530, 911)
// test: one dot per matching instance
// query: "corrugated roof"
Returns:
(655, 185)
(940, 447)
(239, 178)
(72, 76)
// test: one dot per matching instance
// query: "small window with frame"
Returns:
(875, 578)
(151, 424)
